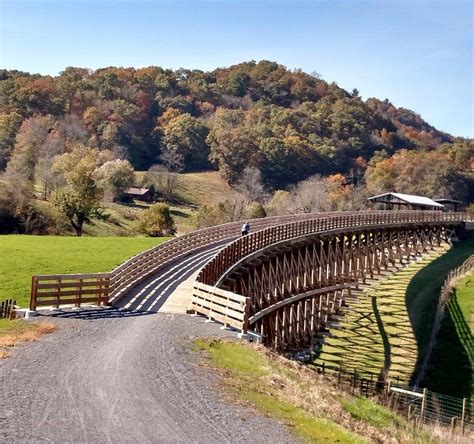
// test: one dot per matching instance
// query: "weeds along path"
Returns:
(376, 334)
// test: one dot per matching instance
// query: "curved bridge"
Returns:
(286, 282)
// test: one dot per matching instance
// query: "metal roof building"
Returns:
(406, 201)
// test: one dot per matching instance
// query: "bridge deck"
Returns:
(170, 290)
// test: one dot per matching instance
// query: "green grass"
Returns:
(7, 326)
(465, 299)
(365, 410)
(23, 256)
(248, 370)
(304, 401)
(451, 367)
(377, 338)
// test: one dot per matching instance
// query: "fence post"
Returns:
(245, 323)
(463, 414)
(454, 420)
(34, 283)
(423, 405)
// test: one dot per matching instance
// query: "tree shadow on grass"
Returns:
(421, 300)
(450, 369)
(180, 214)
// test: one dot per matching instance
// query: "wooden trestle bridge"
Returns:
(284, 281)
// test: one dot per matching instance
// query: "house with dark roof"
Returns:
(143, 194)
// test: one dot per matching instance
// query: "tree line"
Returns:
(287, 125)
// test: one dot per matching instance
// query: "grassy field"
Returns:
(23, 256)
(312, 409)
(389, 329)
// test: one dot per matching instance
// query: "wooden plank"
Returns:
(51, 277)
(217, 316)
(65, 301)
(61, 293)
(219, 291)
(219, 308)
(237, 306)
(73, 284)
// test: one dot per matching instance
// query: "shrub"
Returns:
(156, 221)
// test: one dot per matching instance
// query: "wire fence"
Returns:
(421, 406)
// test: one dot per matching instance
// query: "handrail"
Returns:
(253, 242)
(143, 265)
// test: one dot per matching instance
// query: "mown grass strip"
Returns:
(306, 402)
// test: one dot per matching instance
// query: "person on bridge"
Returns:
(245, 229)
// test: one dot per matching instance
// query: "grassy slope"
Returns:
(305, 402)
(23, 256)
(192, 191)
(392, 330)
(377, 336)
(452, 364)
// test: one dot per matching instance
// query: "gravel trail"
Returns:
(121, 377)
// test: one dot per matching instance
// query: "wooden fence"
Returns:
(138, 268)
(69, 289)
(224, 306)
(7, 309)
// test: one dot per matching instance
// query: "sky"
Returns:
(416, 53)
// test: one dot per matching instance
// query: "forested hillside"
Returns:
(287, 125)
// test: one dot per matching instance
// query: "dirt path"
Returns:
(121, 379)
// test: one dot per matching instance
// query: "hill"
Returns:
(251, 114)
(283, 126)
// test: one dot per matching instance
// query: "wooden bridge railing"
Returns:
(69, 289)
(77, 289)
(223, 306)
(244, 246)
(138, 268)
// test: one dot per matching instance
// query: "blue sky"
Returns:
(419, 54)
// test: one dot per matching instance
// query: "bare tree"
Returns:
(308, 196)
(250, 185)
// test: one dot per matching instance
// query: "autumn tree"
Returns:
(115, 176)
(156, 221)
(9, 125)
(185, 136)
(79, 198)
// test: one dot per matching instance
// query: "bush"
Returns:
(156, 221)
(255, 211)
